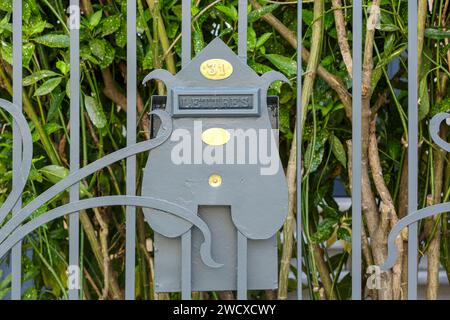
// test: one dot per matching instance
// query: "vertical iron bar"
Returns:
(16, 252)
(299, 150)
(242, 30)
(130, 246)
(412, 146)
(74, 193)
(186, 238)
(186, 50)
(242, 240)
(186, 265)
(242, 267)
(356, 150)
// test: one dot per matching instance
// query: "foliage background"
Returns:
(326, 131)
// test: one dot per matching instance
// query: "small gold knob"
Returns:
(215, 180)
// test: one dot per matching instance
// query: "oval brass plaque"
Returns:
(216, 69)
(215, 136)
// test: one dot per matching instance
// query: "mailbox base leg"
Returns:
(242, 267)
(186, 265)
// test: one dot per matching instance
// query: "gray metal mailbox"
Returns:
(242, 207)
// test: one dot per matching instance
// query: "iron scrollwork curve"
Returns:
(14, 230)
(27, 155)
(435, 124)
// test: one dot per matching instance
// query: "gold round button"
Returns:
(215, 180)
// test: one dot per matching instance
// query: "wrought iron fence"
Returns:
(12, 233)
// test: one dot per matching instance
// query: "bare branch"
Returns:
(342, 35)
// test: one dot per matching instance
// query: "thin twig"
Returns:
(342, 35)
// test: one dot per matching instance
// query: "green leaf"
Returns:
(386, 58)
(68, 89)
(259, 67)
(437, 34)
(27, 54)
(307, 16)
(95, 18)
(345, 286)
(38, 75)
(48, 86)
(95, 112)
(344, 234)
(259, 13)
(263, 39)
(230, 11)
(97, 47)
(388, 27)
(121, 35)
(328, 60)
(30, 294)
(5, 288)
(54, 173)
(314, 151)
(172, 29)
(198, 40)
(6, 53)
(49, 128)
(338, 150)
(35, 175)
(110, 25)
(424, 99)
(148, 60)
(442, 106)
(324, 230)
(55, 104)
(392, 56)
(328, 20)
(313, 157)
(35, 28)
(53, 40)
(284, 123)
(108, 58)
(286, 65)
(389, 43)
(6, 5)
(102, 50)
(5, 25)
(251, 39)
(63, 67)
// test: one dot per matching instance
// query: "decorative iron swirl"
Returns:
(13, 230)
(138, 201)
(435, 124)
(434, 130)
(27, 155)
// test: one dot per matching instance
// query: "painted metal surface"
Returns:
(130, 227)
(356, 149)
(74, 192)
(257, 203)
(413, 146)
(16, 253)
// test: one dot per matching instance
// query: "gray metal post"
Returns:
(74, 193)
(130, 255)
(16, 252)
(186, 238)
(413, 122)
(299, 150)
(356, 150)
